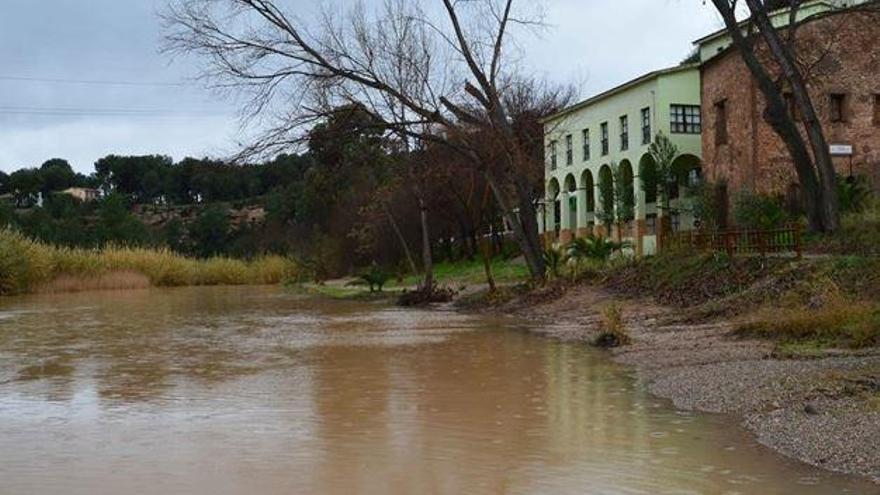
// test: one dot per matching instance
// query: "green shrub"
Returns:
(758, 211)
(853, 193)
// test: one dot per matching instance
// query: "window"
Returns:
(877, 109)
(651, 224)
(646, 126)
(585, 134)
(791, 105)
(624, 133)
(685, 119)
(838, 107)
(676, 221)
(569, 150)
(552, 153)
(721, 122)
(604, 130)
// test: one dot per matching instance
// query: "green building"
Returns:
(597, 151)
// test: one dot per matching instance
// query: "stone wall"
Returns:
(841, 53)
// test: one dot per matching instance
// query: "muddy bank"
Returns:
(824, 411)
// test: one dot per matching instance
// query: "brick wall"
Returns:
(842, 53)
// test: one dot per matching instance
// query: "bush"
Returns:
(612, 331)
(759, 212)
(424, 297)
(375, 278)
(853, 193)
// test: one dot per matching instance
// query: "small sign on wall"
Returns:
(841, 149)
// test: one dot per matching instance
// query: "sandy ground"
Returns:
(824, 411)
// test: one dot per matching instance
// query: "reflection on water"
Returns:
(244, 390)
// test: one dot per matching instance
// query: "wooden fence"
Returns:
(733, 242)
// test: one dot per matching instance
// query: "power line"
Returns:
(106, 112)
(99, 82)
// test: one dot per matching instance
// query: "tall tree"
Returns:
(432, 74)
(774, 65)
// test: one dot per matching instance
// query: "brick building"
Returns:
(840, 50)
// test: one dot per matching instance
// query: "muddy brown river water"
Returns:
(259, 391)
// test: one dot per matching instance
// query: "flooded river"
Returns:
(258, 391)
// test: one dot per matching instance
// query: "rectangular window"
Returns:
(685, 119)
(838, 107)
(721, 122)
(585, 134)
(646, 126)
(604, 130)
(651, 224)
(552, 153)
(877, 110)
(569, 150)
(676, 221)
(624, 133)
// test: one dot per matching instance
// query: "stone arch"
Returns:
(553, 188)
(606, 193)
(649, 178)
(553, 206)
(626, 193)
(686, 169)
(570, 184)
(589, 186)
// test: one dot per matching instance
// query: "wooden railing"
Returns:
(733, 242)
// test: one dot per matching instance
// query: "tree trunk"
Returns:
(782, 123)
(525, 229)
(403, 244)
(828, 208)
(427, 257)
(487, 267)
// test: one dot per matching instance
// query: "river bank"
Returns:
(823, 410)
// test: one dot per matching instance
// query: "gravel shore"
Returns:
(824, 411)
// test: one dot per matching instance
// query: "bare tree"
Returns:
(433, 74)
(811, 156)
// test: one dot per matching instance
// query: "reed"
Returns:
(30, 266)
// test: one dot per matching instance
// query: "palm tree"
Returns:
(594, 248)
(554, 258)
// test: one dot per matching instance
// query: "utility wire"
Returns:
(90, 81)
(107, 112)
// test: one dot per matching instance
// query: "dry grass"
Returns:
(612, 328)
(117, 280)
(28, 266)
(838, 323)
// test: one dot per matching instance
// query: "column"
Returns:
(549, 221)
(600, 225)
(565, 232)
(582, 230)
(640, 214)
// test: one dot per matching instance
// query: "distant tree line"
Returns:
(351, 199)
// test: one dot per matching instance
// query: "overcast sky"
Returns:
(82, 79)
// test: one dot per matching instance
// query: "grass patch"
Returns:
(354, 293)
(466, 272)
(837, 324)
(30, 266)
(612, 331)
(687, 280)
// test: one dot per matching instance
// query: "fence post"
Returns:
(797, 242)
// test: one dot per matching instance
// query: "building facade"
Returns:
(841, 49)
(84, 194)
(598, 149)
